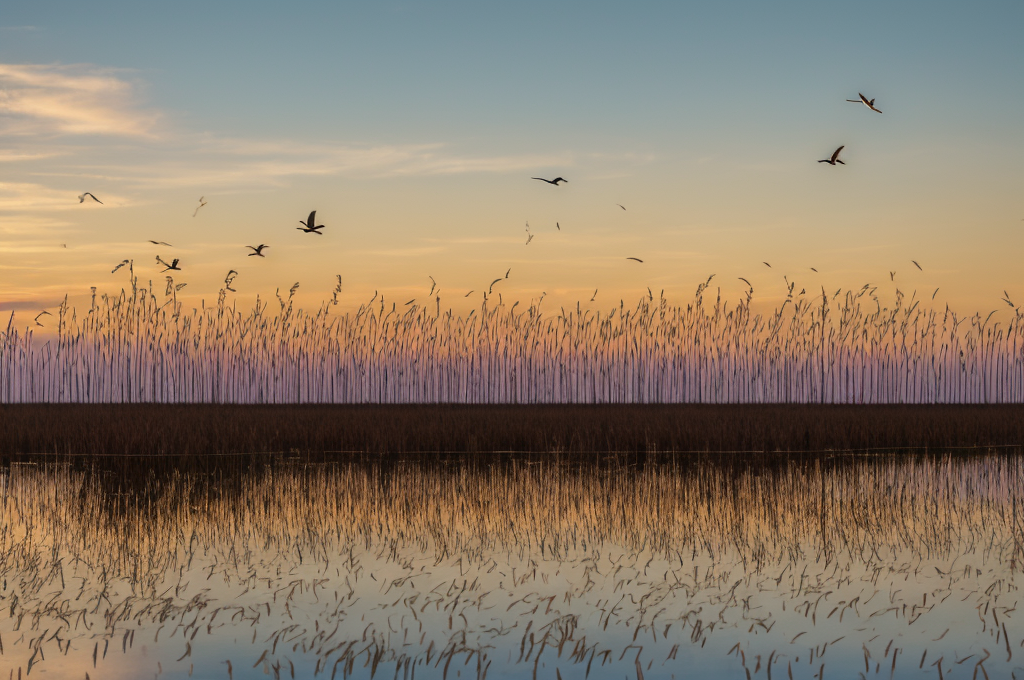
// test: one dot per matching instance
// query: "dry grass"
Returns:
(142, 346)
(187, 435)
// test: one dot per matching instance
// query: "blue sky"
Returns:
(414, 128)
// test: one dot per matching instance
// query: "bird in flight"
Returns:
(228, 279)
(559, 226)
(621, 206)
(529, 236)
(39, 315)
(468, 294)
(634, 258)
(594, 296)
(173, 265)
(917, 265)
(160, 243)
(258, 250)
(835, 157)
(892, 276)
(81, 199)
(310, 226)
(201, 204)
(870, 103)
(491, 289)
(433, 285)
(745, 281)
(767, 265)
(554, 181)
(508, 272)
(814, 270)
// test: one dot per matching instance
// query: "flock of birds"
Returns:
(309, 225)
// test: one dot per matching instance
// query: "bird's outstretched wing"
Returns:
(312, 219)
(835, 154)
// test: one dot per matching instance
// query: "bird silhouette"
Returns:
(258, 250)
(745, 281)
(491, 288)
(917, 265)
(310, 226)
(592, 297)
(554, 181)
(767, 265)
(621, 206)
(160, 243)
(835, 157)
(870, 103)
(433, 285)
(81, 199)
(201, 204)
(39, 315)
(634, 258)
(173, 265)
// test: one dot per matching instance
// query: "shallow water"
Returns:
(886, 567)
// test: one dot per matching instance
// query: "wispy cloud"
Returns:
(19, 196)
(74, 99)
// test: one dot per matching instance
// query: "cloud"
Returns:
(17, 196)
(77, 100)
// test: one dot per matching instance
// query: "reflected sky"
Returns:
(885, 567)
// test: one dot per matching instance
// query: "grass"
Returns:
(846, 347)
(195, 434)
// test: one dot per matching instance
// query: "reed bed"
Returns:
(844, 348)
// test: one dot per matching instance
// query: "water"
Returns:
(885, 567)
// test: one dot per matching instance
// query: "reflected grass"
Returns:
(99, 562)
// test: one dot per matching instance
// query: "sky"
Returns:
(414, 130)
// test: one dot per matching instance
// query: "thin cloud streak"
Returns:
(77, 99)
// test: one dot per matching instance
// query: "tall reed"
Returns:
(846, 348)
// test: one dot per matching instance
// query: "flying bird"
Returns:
(767, 265)
(745, 281)
(621, 206)
(554, 181)
(81, 199)
(160, 243)
(228, 279)
(201, 204)
(257, 250)
(491, 289)
(508, 272)
(892, 276)
(173, 265)
(310, 225)
(870, 103)
(594, 295)
(917, 265)
(433, 285)
(814, 270)
(634, 258)
(39, 315)
(468, 294)
(559, 226)
(835, 157)
(529, 236)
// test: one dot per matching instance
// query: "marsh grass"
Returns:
(852, 347)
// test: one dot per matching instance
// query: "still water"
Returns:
(843, 567)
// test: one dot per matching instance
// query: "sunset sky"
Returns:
(414, 129)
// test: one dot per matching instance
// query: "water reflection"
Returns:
(885, 567)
